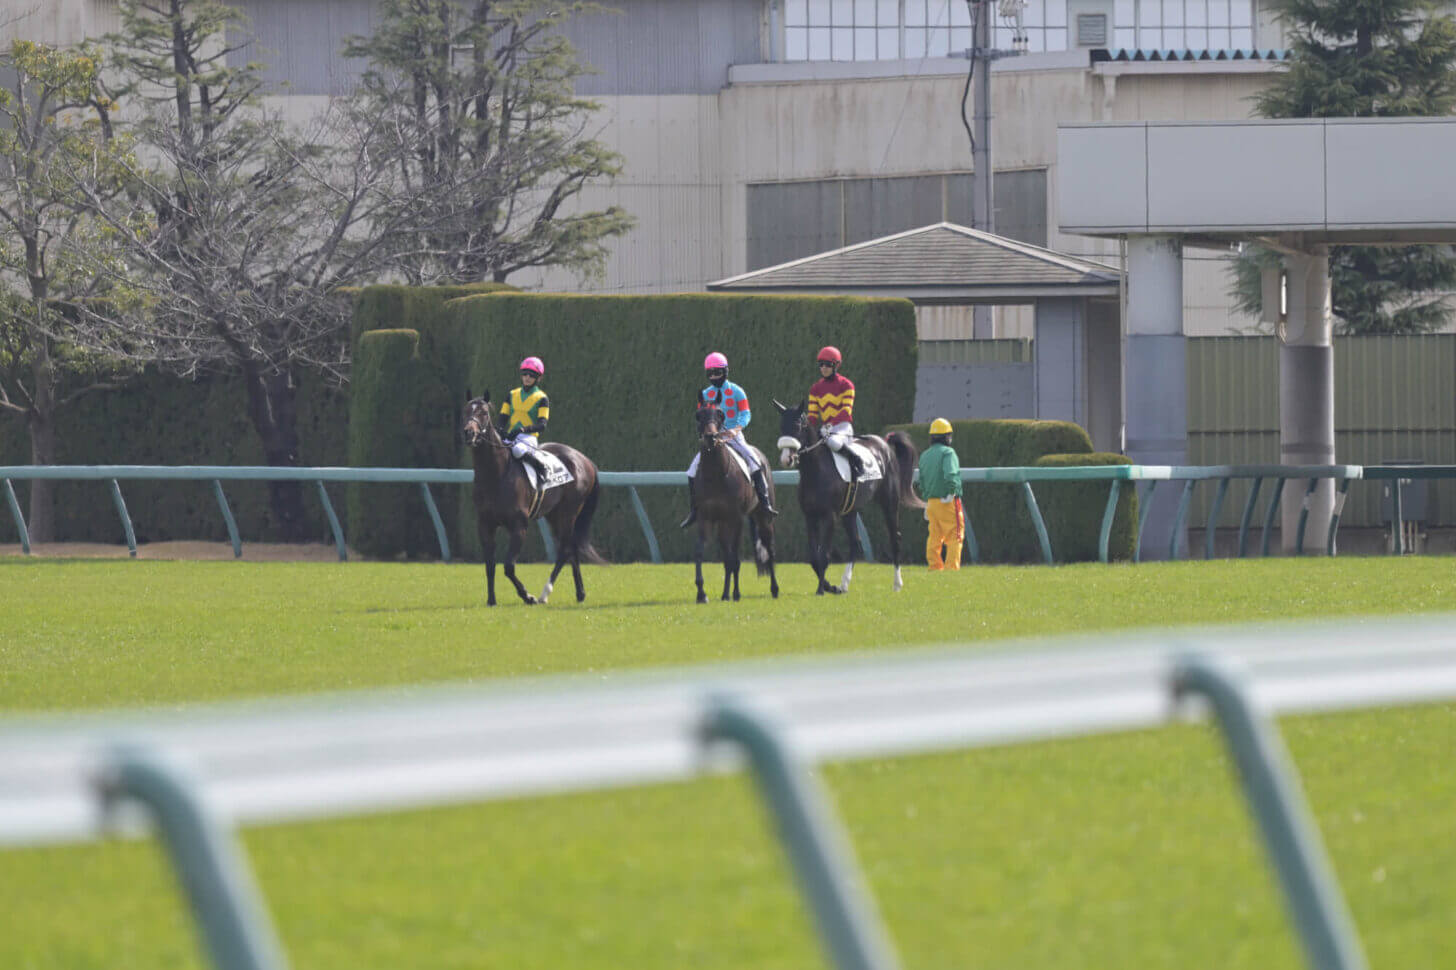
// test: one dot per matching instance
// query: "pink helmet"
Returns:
(534, 365)
(713, 360)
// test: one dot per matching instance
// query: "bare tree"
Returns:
(56, 151)
(488, 140)
(239, 228)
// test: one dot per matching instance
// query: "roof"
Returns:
(1189, 54)
(940, 263)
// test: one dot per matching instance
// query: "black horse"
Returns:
(725, 498)
(823, 494)
(504, 499)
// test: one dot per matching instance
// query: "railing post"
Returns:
(821, 857)
(645, 523)
(1290, 835)
(866, 550)
(1304, 517)
(1335, 519)
(548, 543)
(19, 519)
(1147, 505)
(1223, 487)
(1036, 520)
(227, 516)
(1248, 516)
(125, 518)
(1182, 518)
(220, 890)
(1397, 518)
(435, 518)
(333, 522)
(972, 547)
(1104, 538)
(1269, 515)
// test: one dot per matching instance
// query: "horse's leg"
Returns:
(851, 532)
(728, 539)
(561, 531)
(486, 531)
(766, 537)
(824, 535)
(576, 572)
(737, 547)
(698, 544)
(518, 537)
(890, 505)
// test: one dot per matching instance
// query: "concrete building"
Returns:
(758, 131)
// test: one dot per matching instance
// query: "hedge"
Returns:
(163, 420)
(997, 513)
(1073, 510)
(623, 373)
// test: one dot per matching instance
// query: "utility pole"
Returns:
(983, 192)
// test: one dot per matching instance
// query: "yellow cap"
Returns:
(940, 426)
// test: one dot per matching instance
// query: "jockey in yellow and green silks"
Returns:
(732, 400)
(524, 413)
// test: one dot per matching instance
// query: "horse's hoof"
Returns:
(530, 600)
(702, 597)
(581, 597)
(773, 591)
(836, 591)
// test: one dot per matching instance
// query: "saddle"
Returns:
(871, 470)
(557, 474)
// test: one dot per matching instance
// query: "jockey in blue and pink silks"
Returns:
(732, 400)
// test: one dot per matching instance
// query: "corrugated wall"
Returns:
(975, 351)
(1395, 400)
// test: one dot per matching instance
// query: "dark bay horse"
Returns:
(823, 494)
(503, 499)
(725, 498)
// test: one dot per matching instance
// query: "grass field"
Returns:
(1120, 851)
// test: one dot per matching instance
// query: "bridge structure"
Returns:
(1297, 186)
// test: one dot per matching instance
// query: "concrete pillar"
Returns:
(1307, 395)
(1060, 364)
(1157, 374)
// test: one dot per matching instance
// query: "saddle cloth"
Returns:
(742, 463)
(872, 471)
(559, 473)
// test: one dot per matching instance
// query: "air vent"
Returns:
(1091, 30)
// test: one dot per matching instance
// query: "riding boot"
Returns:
(856, 467)
(692, 504)
(760, 488)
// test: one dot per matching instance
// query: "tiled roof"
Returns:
(943, 255)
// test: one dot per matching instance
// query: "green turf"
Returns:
(1111, 852)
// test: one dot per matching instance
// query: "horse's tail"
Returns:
(761, 551)
(906, 459)
(581, 531)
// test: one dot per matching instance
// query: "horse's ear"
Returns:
(781, 408)
(803, 403)
(485, 395)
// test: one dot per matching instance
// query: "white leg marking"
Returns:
(848, 575)
(899, 583)
(545, 592)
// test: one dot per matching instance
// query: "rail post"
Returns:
(1218, 496)
(1182, 518)
(1271, 513)
(435, 519)
(1104, 538)
(120, 504)
(1248, 516)
(333, 522)
(227, 516)
(1147, 504)
(19, 519)
(645, 523)
(1335, 519)
(1304, 516)
(1397, 523)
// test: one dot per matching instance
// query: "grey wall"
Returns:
(987, 390)
(649, 47)
(790, 220)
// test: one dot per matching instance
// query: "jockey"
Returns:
(524, 412)
(831, 408)
(731, 399)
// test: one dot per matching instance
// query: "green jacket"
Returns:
(940, 472)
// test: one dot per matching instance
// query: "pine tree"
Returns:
(1367, 58)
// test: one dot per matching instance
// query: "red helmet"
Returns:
(830, 354)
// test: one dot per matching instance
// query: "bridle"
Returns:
(474, 435)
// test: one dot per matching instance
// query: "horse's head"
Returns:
(710, 425)
(793, 432)
(477, 428)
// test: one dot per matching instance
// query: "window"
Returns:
(1172, 24)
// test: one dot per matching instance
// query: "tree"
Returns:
(488, 138)
(56, 149)
(239, 229)
(1364, 58)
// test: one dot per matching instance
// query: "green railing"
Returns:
(1115, 475)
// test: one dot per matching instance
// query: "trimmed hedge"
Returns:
(162, 420)
(623, 373)
(1073, 510)
(997, 513)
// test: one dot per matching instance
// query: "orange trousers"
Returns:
(947, 528)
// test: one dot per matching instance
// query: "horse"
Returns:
(504, 498)
(823, 494)
(724, 499)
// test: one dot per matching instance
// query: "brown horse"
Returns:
(504, 496)
(823, 494)
(725, 498)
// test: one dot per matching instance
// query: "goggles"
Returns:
(717, 372)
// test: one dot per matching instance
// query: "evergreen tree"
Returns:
(1366, 58)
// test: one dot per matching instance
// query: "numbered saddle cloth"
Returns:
(869, 463)
(558, 473)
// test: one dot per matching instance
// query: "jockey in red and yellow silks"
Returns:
(831, 407)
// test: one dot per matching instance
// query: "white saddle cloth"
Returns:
(742, 463)
(559, 474)
(872, 471)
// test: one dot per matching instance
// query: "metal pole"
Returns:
(214, 875)
(18, 517)
(652, 548)
(227, 516)
(983, 193)
(435, 518)
(1248, 516)
(1277, 804)
(1039, 522)
(1223, 486)
(1181, 519)
(1340, 497)
(125, 518)
(333, 522)
(821, 856)
(1147, 506)
(1104, 538)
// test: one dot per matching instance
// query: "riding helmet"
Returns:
(534, 365)
(830, 354)
(715, 360)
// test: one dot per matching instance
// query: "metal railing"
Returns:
(190, 774)
(1115, 475)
